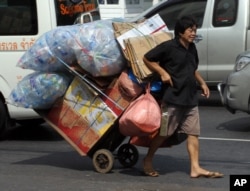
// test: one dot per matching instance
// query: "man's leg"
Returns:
(171, 125)
(148, 160)
(193, 151)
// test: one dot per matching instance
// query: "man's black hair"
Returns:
(183, 23)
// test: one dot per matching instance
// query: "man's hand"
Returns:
(166, 78)
(154, 66)
(205, 90)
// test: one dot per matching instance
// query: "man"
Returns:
(176, 62)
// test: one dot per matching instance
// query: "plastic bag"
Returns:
(39, 90)
(50, 49)
(142, 117)
(98, 52)
(92, 45)
(127, 86)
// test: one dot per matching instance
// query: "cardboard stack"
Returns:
(137, 47)
(137, 39)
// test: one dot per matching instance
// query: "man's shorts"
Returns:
(184, 119)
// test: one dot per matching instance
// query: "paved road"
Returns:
(37, 158)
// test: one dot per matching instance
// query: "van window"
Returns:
(173, 10)
(225, 12)
(18, 17)
(67, 11)
(108, 1)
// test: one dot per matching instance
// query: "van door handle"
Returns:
(198, 38)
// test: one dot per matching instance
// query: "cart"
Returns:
(87, 118)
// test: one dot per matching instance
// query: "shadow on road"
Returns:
(239, 125)
(39, 133)
(71, 160)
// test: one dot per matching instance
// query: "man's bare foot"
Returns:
(205, 173)
(148, 168)
(210, 174)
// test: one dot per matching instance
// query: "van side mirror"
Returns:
(88, 17)
(198, 38)
(76, 1)
(83, 18)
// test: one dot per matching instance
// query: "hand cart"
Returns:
(84, 117)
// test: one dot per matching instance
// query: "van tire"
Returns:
(30, 122)
(3, 117)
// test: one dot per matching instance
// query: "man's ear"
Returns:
(180, 34)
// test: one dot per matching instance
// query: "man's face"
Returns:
(189, 34)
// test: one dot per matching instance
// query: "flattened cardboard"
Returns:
(137, 47)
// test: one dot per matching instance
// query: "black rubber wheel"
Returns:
(3, 118)
(31, 122)
(128, 155)
(103, 161)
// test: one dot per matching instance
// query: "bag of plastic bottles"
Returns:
(50, 49)
(99, 53)
(92, 45)
(39, 90)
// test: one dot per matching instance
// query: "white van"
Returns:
(22, 22)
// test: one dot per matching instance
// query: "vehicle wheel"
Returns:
(3, 117)
(30, 122)
(103, 161)
(128, 155)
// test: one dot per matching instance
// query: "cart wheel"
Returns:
(128, 155)
(103, 160)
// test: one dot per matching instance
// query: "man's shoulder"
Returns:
(171, 42)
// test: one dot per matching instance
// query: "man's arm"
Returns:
(203, 85)
(154, 66)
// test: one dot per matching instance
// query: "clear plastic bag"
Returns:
(39, 90)
(43, 55)
(99, 53)
(92, 45)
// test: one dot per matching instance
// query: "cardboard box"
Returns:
(73, 127)
(81, 117)
(117, 100)
(147, 27)
(89, 104)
